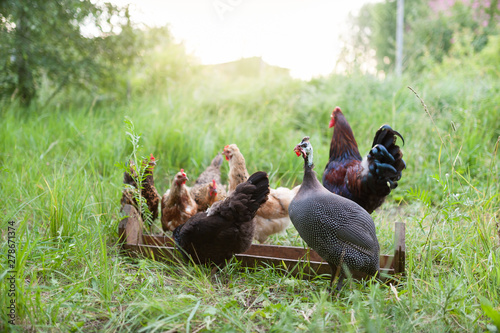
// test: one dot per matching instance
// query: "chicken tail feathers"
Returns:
(261, 183)
(246, 199)
(385, 161)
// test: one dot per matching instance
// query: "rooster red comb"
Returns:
(213, 183)
(183, 173)
(152, 157)
(332, 120)
(226, 147)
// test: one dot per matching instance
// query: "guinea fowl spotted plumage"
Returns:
(366, 181)
(227, 227)
(338, 229)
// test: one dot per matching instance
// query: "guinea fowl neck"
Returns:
(310, 179)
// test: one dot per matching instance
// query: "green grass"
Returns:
(61, 186)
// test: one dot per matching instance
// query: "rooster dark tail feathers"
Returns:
(386, 158)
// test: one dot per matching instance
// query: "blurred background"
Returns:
(123, 48)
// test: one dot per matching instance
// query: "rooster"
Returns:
(272, 217)
(365, 181)
(177, 205)
(148, 189)
(208, 188)
(227, 227)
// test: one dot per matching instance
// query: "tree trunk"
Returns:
(25, 82)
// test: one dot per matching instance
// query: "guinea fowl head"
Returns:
(230, 150)
(333, 117)
(180, 178)
(305, 149)
(212, 189)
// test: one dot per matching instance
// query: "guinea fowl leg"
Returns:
(337, 273)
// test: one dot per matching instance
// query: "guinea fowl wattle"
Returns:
(338, 229)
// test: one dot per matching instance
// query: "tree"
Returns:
(44, 39)
(430, 30)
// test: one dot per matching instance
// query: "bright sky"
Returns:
(302, 35)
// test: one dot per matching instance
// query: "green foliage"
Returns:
(162, 63)
(44, 39)
(430, 34)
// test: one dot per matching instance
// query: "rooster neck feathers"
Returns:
(343, 146)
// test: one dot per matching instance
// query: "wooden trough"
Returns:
(299, 261)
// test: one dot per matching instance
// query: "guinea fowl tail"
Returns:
(386, 158)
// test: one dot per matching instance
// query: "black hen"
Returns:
(338, 229)
(227, 227)
(366, 181)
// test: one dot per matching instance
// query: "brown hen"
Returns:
(208, 188)
(177, 205)
(147, 186)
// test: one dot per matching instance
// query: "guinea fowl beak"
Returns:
(298, 150)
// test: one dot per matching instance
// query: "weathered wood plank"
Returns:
(399, 248)
(298, 261)
(130, 228)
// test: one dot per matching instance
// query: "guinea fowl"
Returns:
(338, 229)
(148, 189)
(177, 205)
(366, 181)
(272, 217)
(227, 227)
(208, 188)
